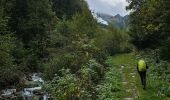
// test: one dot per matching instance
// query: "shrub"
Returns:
(9, 74)
(110, 87)
(68, 86)
(112, 40)
(164, 51)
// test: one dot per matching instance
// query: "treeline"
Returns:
(59, 38)
(150, 25)
(150, 32)
(25, 28)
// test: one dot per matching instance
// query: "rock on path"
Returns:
(128, 99)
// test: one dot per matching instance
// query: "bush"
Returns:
(71, 45)
(81, 84)
(92, 70)
(63, 61)
(112, 40)
(9, 74)
(164, 51)
(110, 87)
(68, 86)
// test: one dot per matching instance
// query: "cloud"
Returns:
(111, 7)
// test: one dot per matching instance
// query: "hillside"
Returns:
(118, 20)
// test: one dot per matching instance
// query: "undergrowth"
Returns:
(110, 88)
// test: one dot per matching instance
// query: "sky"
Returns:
(111, 7)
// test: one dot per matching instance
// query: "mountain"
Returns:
(117, 20)
(100, 19)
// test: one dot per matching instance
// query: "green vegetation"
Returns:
(83, 52)
(110, 87)
(59, 39)
(158, 75)
(127, 67)
(148, 30)
(129, 82)
(80, 59)
(148, 22)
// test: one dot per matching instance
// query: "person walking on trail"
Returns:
(142, 68)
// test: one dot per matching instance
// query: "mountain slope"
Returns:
(117, 20)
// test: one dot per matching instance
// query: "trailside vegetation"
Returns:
(149, 32)
(62, 40)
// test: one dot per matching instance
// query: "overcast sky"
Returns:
(111, 7)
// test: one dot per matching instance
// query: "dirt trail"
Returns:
(129, 76)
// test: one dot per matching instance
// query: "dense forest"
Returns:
(79, 58)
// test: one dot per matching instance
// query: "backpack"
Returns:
(141, 65)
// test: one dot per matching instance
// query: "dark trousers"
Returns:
(143, 78)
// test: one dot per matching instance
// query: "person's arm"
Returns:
(147, 66)
(137, 68)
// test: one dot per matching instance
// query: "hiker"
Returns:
(141, 68)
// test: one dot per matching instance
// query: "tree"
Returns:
(66, 8)
(8, 70)
(146, 23)
(150, 24)
(32, 21)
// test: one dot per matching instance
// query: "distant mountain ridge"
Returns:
(118, 20)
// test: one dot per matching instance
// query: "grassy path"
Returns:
(126, 63)
(131, 86)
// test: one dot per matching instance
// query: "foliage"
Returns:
(93, 70)
(111, 85)
(149, 22)
(65, 87)
(61, 39)
(9, 73)
(113, 40)
(70, 45)
(79, 85)
(58, 63)
(159, 72)
(31, 22)
(164, 50)
(67, 8)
